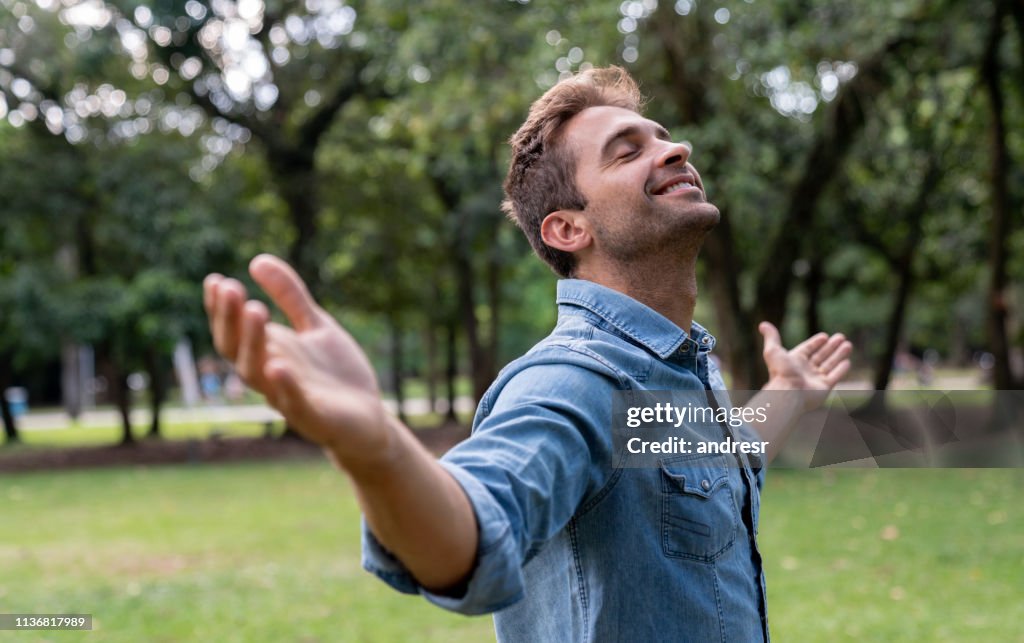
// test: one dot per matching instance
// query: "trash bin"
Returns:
(17, 400)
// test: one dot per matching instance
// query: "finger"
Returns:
(842, 352)
(811, 344)
(772, 339)
(252, 343)
(210, 301)
(287, 290)
(837, 373)
(210, 292)
(230, 294)
(827, 349)
(285, 394)
(279, 337)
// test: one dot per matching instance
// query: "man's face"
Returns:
(642, 195)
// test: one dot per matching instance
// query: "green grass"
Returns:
(264, 552)
(75, 436)
(894, 555)
(270, 552)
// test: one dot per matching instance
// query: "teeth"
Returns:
(677, 186)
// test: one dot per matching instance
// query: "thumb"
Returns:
(770, 334)
(287, 290)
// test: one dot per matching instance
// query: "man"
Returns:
(530, 518)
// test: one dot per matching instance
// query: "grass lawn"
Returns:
(82, 436)
(894, 554)
(269, 552)
(261, 552)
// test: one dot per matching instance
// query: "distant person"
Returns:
(209, 380)
(529, 518)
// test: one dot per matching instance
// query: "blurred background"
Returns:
(868, 160)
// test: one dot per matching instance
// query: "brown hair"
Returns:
(541, 175)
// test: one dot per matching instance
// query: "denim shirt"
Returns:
(572, 548)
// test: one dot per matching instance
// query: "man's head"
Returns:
(585, 171)
(541, 176)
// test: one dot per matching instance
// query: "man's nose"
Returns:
(673, 154)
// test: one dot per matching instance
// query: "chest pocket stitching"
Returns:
(698, 523)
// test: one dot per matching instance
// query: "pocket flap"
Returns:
(698, 476)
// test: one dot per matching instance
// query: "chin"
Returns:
(713, 216)
(703, 217)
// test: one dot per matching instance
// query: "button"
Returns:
(705, 484)
(685, 348)
(705, 340)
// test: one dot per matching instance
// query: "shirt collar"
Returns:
(637, 321)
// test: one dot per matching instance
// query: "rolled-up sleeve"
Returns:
(526, 468)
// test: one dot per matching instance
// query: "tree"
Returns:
(125, 274)
(991, 73)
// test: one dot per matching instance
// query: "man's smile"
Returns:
(680, 184)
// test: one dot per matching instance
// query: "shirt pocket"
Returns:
(699, 520)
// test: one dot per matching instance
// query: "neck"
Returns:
(668, 286)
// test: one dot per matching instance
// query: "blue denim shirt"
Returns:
(572, 548)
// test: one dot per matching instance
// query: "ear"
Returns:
(566, 230)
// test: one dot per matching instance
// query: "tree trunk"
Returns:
(813, 282)
(481, 373)
(451, 370)
(740, 345)
(397, 366)
(430, 358)
(904, 267)
(157, 390)
(295, 177)
(494, 300)
(997, 296)
(1016, 8)
(883, 368)
(10, 423)
(465, 276)
(123, 400)
(685, 44)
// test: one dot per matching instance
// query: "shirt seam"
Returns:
(623, 385)
(580, 578)
(616, 474)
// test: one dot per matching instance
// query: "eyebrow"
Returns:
(632, 130)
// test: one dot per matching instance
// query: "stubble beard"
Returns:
(659, 235)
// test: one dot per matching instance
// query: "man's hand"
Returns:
(813, 366)
(810, 370)
(320, 380)
(314, 373)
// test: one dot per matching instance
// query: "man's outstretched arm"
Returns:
(810, 370)
(320, 380)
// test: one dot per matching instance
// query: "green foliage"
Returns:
(190, 176)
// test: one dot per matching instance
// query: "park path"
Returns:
(261, 413)
(213, 414)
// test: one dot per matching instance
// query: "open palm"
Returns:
(313, 372)
(813, 366)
